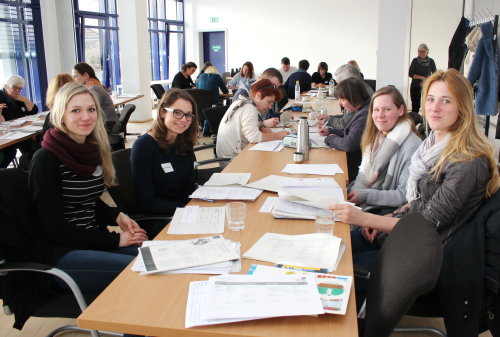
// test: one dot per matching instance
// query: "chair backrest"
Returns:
(158, 90)
(123, 193)
(372, 84)
(125, 116)
(225, 75)
(214, 116)
(202, 97)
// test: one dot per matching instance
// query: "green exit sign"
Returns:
(216, 48)
(214, 19)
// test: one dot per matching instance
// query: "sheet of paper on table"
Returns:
(312, 250)
(187, 253)
(12, 135)
(274, 182)
(317, 141)
(284, 209)
(30, 128)
(225, 179)
(226, 193)
(319, 169)
(197, 220)
(270, 146)
(225, 267)
(321, 197)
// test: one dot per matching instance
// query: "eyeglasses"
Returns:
(15, 87)
(179, 114)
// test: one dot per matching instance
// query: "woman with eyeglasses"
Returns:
(163, 159)
(14, 105)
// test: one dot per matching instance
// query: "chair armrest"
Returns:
(47, 269)
(361, 271)
(204, 147)
(211, 161)
(140, 217)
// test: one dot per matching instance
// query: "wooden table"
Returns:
(29, 135)
(155, 305)
(121, 100)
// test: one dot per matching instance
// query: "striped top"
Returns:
(80, 196)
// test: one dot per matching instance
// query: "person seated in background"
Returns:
(286, 69)
(300, 75)
(242, 122)
(242, 81)
(388, 142)
(276, 79)
(163, 160)
(202, 71)
(340, 121)
(67, 178)
(182, 80)
(355, 65)
(84, 74)
(14, 105)
(56, 83)
(450, 174)
(321, 77)
(211, 80)
(354, 98)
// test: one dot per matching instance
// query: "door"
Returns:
(214, 49)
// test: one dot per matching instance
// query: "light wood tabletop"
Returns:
(124, 99)
(155, 305)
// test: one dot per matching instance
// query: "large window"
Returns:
(97, 38)
(166, 36)
(21, 46)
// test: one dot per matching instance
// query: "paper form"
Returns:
(226, 193)
(317, 141)
(321, 197)
(268, 205)
(284, 209)
(312, 250)
(187, 253)
(197, 220)
(308, 182)
(270, 146)
(13, 135)
(320, 169)
(249, 296)
(30, 128)
(224, 179)
(281, 129)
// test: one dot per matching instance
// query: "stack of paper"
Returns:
(274, 183)
(187, 253)
(30, 128)
(315, 250)
(252, 297)
(333, 290)
(225, 193)
(224, 267)
(284, 209)
(228, 179)
(270, 146)
(320, 169)
(12, 135)
(197, 220)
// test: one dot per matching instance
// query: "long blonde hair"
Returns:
(98, 135)
(371, 131)
(466, 141)
(54, 85)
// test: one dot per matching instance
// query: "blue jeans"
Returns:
(364, 253)
(93, 270)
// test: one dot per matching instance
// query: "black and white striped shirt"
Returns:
(80, 196)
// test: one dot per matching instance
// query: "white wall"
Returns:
(263, 31)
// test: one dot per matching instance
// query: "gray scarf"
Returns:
(422, 162)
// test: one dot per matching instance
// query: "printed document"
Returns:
(225, 267)
(270, 146)
(333, 289)
(320, 169)
(249, 296)
(12, 135)
(197, 220)
(284, 209)
(317, 141)
(321, 197)
(187, 253)
(226, 193)
(274, 182)
(315, 250)
(225, 179)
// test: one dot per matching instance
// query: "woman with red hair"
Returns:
(242, 122)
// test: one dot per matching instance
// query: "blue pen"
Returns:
(209, 200)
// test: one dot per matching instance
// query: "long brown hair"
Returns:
(250, 69)
(54, 85)
(466, 141)
(371, 131)
(186, 140)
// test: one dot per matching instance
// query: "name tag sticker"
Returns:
(167, 167)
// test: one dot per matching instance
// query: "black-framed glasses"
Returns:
(179, 114)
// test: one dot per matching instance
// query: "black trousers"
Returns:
(415, 94)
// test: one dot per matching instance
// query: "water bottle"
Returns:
(297, 91)
(331, 87)
(303, 137)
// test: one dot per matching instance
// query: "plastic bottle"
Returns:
(303, 137)
(297, 91)
(331, 87)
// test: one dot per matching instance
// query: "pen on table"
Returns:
(209, 200)
(326, 123)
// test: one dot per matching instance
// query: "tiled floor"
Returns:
(38, 327)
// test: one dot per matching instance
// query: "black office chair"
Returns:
(25, 286)
(203, 99)
(124, 194)
(117, 134)
(203, 174)
(158, 90)
(372, 84)
(214, 116)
